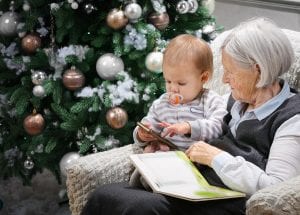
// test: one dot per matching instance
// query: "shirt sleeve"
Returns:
(210, 126)
(283, 162)
(150, 118)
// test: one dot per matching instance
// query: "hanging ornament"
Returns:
(154, 61)
(94, 149)
(66, 161)
(116, 117)
(39, 91)
(133, 12)
(209, 4)
(159, 20)
(116, 19)
(73, 79)
(108, 66)
(74, 5)
(34, 123)
(182, 7)
(38, 77)
(30, 43)
(28, 163)
(193, 6)
(8, 23)
(26, 6)
(89, 8)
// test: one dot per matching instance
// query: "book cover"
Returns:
(172, 173)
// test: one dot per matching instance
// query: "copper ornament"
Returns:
(30, 43)
(73, 79)
(116, 19)
(34, 124)
(159, 20)
(116, 117)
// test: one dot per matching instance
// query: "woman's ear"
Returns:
(205, 76)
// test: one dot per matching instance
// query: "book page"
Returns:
(173, 174)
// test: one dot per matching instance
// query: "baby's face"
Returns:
(185, 80)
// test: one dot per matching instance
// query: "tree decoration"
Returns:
(39, 91)
(159, 20)
(38, 77)
(108, 66)
(8, 23)
(30, 43)
(66, 161)
(116, 117)
(89, 8)
(34, 123)
(154, 61)
(73, 79)
(116, 19)
(133, 12)
(28, 163)
(187, 6)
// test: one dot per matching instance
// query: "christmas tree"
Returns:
(77, 75)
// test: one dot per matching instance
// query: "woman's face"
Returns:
(242, 81)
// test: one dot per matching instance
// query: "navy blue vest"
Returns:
(253, 137)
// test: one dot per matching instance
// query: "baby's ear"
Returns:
(205, 76)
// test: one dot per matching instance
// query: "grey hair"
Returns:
(260, 41)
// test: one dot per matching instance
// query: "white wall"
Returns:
(286, 14)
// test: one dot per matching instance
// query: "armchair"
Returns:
(114, 165)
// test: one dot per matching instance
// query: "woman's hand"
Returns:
(178, 128)
(202, 153)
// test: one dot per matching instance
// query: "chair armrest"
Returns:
(93, 170)
(282, 198)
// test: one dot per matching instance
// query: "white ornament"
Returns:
(193, 6)
(8, 24)
(38, 77)
(209, 4)
(182, 7)
(74, 5)
(154, 61)
(108, 66)
(26, 6)
(39, 91)
(67, 160)
(133, 11)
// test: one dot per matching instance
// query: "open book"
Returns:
(172, 173)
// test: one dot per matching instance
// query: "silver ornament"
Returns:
(8, 24)
(154, 61)
(193, 6)
(39, 91)
(108, 66)
(67, 160)
(28, 163)
(38, 77)
(89, 8)
(133, 11)
(182, 7)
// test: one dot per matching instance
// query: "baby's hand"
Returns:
(143, 135)
(178, 128)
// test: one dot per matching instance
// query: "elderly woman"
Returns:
(261, 141)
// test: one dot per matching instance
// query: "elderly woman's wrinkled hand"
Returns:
(202, 153)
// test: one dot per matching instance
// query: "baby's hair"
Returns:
(187, 48)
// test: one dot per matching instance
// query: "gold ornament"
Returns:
(116, 117)
(159, 20)
(116, 19)
(73, 79)
(34, 123)
(30, 43)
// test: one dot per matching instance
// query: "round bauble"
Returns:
(66, 161)
(34, 124)
(133, 11)
(193, 6)
(89, 8)
(38, 77)
(116, 117)
(30, 43)
(28, 163)
(39, 91)
(154, 61)
(73, 79)
(116, 19)
(8, 24)
(108, 66)
(182, 7)
(159, 20)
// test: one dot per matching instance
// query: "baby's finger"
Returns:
(164, 124)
